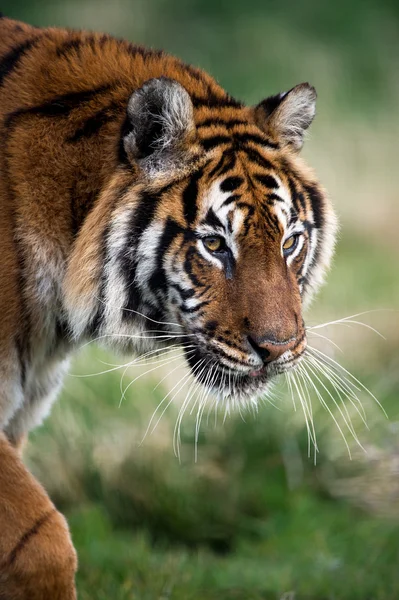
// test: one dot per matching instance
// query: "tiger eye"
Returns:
(289, 243)
(213, 243)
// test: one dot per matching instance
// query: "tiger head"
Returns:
(212, 234)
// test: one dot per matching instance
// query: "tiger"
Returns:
(141, 206)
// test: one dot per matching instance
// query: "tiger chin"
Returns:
(141, 206)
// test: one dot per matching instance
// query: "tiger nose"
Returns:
(270, 349)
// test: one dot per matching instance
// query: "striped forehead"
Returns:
(219, 210)
(226, 210)
(281, 203)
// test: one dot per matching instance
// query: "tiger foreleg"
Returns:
(37, 558)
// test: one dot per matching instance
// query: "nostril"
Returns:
(269, 350)
(264, 353)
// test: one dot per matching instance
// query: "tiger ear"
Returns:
(159, 126)
(286, 116)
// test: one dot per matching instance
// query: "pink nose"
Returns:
(268, 349)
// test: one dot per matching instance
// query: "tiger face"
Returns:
(218, 240)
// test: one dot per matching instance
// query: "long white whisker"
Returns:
(325, 405)
(341, 383)
(136, 312)
(304, 410)
(301, 368)
(320, 367)
(331, 360)
(135, 362)
(181, 382)
(162, 363)
(350, 318)
(324, 337)
(192, 390)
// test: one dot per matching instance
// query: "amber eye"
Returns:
(214, 243)
(290, 244)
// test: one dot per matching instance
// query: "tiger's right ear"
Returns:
(159, 127)
(286, 116)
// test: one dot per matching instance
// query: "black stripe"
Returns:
(231, 199)
(267, 180)
(145, 53)
(212, 122)
(229, 164)
(213, 101)
(96, 322)
(218, 165)
(212, 219)
(226, 162)
(189, 197)
(231, 183)
(184, 294)
(257, 158)
(194, 309)
(27, 535)
(215, 140)
(21, 353)
(274, 197)
(141, 219)
(94, 123)
(10, 61)
(61, 105)
(297, 197)
(2, 16)
(74, 44)
(158, 279)
(316, 200)
(244, 138)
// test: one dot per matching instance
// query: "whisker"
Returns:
(135, 362)
(324, 337)
(136, 312)
(163, 337)
(341, 383)
(181, 381)
(350, 319)
(306, 389)
(327, 408)
(302, 401)
(162, 363)
(348, 422)
(192, 390)
(331, 360)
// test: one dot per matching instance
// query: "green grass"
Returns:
(319, 550)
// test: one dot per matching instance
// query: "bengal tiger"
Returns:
(141, 205)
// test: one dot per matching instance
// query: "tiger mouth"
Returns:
(225, 381)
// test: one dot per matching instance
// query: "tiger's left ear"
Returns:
(159, 129)
(286, 116)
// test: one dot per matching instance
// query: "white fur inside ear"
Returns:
(294, 114)
(177, 118)
(161, 117)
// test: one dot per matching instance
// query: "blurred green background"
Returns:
(252, 517)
